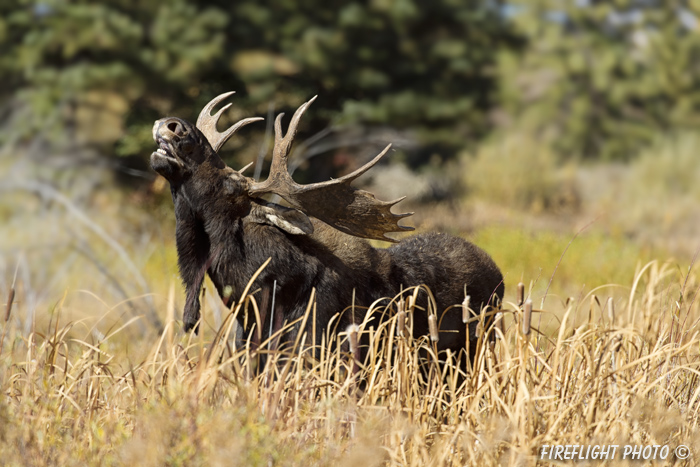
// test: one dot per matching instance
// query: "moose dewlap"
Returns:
(226, 230)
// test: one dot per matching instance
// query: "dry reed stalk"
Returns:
(520, 294)
(499, 323)
(527, 317)
(465, 309)
(170, 307)
(8, 307)
(594, 300)
(8, 312)
(401, 320)
(353, 340)
(481, 323)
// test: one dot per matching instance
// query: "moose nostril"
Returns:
(173, 126)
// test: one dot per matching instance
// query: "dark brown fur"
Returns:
(227, 234)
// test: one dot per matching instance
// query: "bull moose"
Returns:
(225, 228)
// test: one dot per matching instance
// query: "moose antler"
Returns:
(206, 122)
(335, 202)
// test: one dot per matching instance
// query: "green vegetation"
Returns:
(594, 78)
(522, 173)
(99, 74)
(661, 190)
(600, 79)
(593, 259)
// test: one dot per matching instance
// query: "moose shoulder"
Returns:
(226, 230)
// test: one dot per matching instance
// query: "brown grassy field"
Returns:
(95, 370)
(623, 375)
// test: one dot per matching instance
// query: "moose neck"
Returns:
(215, 200)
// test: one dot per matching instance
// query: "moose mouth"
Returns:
(162, 150)
(164, 161)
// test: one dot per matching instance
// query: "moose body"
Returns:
(225, 230)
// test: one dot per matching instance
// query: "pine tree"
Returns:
(88, 73)
(601, 78)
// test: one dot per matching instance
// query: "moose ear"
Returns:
(290, 220)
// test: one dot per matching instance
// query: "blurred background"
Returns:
(517, 124)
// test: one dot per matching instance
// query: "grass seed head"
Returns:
(521, 293)
(465, 309)
(401, 323)
(10, 300)
(432, 326)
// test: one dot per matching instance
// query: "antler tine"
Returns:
(281, 182)
(247, 166)
(279, 175)
(353, 211)
(335, 202)
(283, 144)
(352, 176)
(206, 122)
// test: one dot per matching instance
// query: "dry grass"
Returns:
(82, 383)
(629, 375)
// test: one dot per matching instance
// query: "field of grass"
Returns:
(628, 376)
(90, 380)
(94, 369)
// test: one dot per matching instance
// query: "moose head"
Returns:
(183, 148)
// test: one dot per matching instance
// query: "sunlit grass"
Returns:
(590, 260)
(88, 376)
(630, 375)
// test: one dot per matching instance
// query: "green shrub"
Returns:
(520, 172)
(660, 194)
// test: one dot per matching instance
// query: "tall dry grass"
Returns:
(611, 373)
